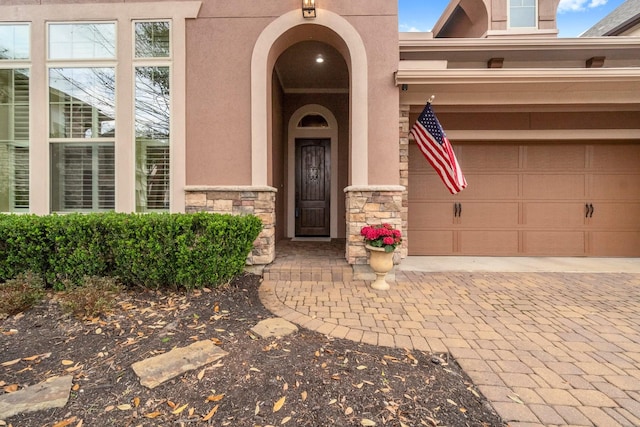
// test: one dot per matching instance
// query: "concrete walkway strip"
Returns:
(52, 393)
(158, 369)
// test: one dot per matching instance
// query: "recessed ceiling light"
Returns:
(319, 59)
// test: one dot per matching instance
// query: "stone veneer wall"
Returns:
(404, 176)
(370, 205)
(240, 200)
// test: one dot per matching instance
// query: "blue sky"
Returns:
(574, 16)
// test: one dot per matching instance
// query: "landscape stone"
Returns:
(52, 393)
(274, 327)
(158, 369)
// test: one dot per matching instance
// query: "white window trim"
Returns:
(125, 13)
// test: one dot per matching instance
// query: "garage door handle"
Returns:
(586, 207)
(591, 208)
(457, 209)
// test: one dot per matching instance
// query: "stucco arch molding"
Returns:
(261, 78)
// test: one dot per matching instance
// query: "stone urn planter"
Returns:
(381, 263)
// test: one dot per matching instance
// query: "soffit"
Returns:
(298, 70)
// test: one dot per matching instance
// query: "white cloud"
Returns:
(410, 29)
(579, 5)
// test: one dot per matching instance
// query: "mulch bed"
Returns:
(305, 379)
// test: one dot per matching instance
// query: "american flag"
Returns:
(437, 149)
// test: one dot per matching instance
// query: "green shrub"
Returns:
(19, 294)
(24, 245)
(152, 250)
(94, 296)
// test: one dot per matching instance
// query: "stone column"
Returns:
(404, 176)
(370, 205)
(240, 200)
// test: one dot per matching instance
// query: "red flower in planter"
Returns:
(382, 236)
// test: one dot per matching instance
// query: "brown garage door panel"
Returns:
(489, 215)
(615, 186)
(615, 157)
(489, 186)
(611, 243)
(615, 216)
(553, 186)
(431, 242)
(476, 157)
(558, 243)
(427, 187)
(552, 215)
(555, 157)
(496, 242)
(431, 214)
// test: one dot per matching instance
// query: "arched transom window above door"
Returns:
(313, 121)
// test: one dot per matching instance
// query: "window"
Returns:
(82, 124)
(14, 41)
(82, 41)
(152, 115)
(14, 118)
(523, 14)
(83, 177)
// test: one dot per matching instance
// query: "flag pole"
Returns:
(430, 101)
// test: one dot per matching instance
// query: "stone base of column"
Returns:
(241, 200)
(370, 205)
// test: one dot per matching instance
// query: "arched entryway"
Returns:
(302, 67)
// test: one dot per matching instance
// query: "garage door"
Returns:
(529, 199)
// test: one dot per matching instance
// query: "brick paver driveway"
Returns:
(544, 348)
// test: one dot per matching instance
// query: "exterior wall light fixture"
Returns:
(309, 8)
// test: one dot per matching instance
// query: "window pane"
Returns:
(152, 138)
(82, 41)
(14, 140)
(152, 39)
(82, 177)
(522, 14)
(14, 41)
(82, 102)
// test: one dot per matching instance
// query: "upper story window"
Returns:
(153, 39)
(82, 41)
(523, 14)
(14, 41)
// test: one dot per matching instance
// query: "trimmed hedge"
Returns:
(151, 250)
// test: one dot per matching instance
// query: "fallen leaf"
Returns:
(136, 401)
(368, 423)
(216, 398)
(361, 367)
(332, 401)
(109, 408)
(452, 402)
(516, 399)
(153, 414)
(463, 410)
(66, 422)
(124, 407)
(80, 423)
(191, 412)
(171, 404)
(257, 410)
(67, 362)
(254, 370)
(285, 420)
(11, 388)
(278, 405)
(201, 374)
(75, 387)
(348, 411)
(303, 395)
(11, 362)
(30, 358)
(180, 409)
(211, 413)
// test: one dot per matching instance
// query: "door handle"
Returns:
(459, 210)
(297, 212)
(591, 208)
(586, 208)
(455, 210)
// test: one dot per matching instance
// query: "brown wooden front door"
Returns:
(313, 187)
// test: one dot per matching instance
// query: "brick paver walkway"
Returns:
(545, 348)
